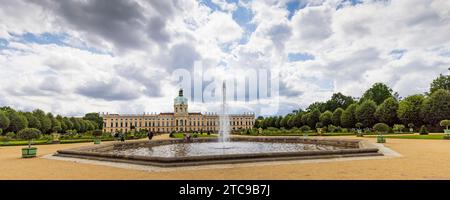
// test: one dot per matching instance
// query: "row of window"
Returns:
(178, 123)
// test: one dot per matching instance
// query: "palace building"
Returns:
(179, 121)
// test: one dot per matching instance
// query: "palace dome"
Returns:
(180, 99)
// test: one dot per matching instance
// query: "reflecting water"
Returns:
(214, 148)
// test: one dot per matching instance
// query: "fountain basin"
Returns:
(201, 151)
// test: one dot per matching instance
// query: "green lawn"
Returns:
(416, 136)
(43, 142)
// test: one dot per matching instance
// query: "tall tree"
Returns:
(33, 122)
(436, 107)
(336, 118)
(441, 82)
(338, 100)
(4, 120)
(313, 117)
(348, 118)
(409, 110)
(46, 123)
(325, 118)
(365, 113)
(17, 122)
(387, 111)
(377, 93)
(95, 117)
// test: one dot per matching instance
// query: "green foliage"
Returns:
(319, 125)
(348, 118)
(336, 118)
(17, 121)
(445, 123)
(10, 135)
(325, 118)
(33, 122)
(4, 121)
(97, 133)
(359, 125)
(442, 82)
(436, 107)
(313, 118)
(331, 128)
(46, 123)
(305, 128)
(29, 134)
(423, 130)
(409, 109)
(96, 118)
(381, 128)
(387, 111)
(365, 113)
(398, 128)
(377, 93)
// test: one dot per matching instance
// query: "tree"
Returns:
(317, 105)
(17, 122)
(442, 82)
(325, 118)
(365, 113)
(348, 118)
(95, 117)
(387, 111)
(46, 123)
(336, 118)
(313, 117)
(409, 110)
(377, 93)
(436, 107)
(277, 121)
(4, 121)
(69, 124)
(283, 122)
(33, 122)
(338, 100)
(29, 134)
(304, 118)
(298, 119)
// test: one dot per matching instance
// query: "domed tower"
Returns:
(180, 105)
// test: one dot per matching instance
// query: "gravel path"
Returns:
(422, 159)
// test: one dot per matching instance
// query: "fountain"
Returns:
(224, 121)
(225, 149)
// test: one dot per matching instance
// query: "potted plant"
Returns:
(381, 128)
(359, 131)
(29, 134)
(446, 123)
(97, 136)
(411, 127)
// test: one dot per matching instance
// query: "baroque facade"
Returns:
(178, 121)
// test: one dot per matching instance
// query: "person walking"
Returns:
(150, 135)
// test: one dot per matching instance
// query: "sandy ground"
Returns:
(422, 159)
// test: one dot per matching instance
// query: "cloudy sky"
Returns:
(118, 56)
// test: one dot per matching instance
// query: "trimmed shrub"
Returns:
(97, 133)
(305, 128)
(423, 130)
(381, 128)
(398, 128)
(445, 123)
(10, 135)
(29, 134)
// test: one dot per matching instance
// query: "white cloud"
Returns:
(114, 60)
